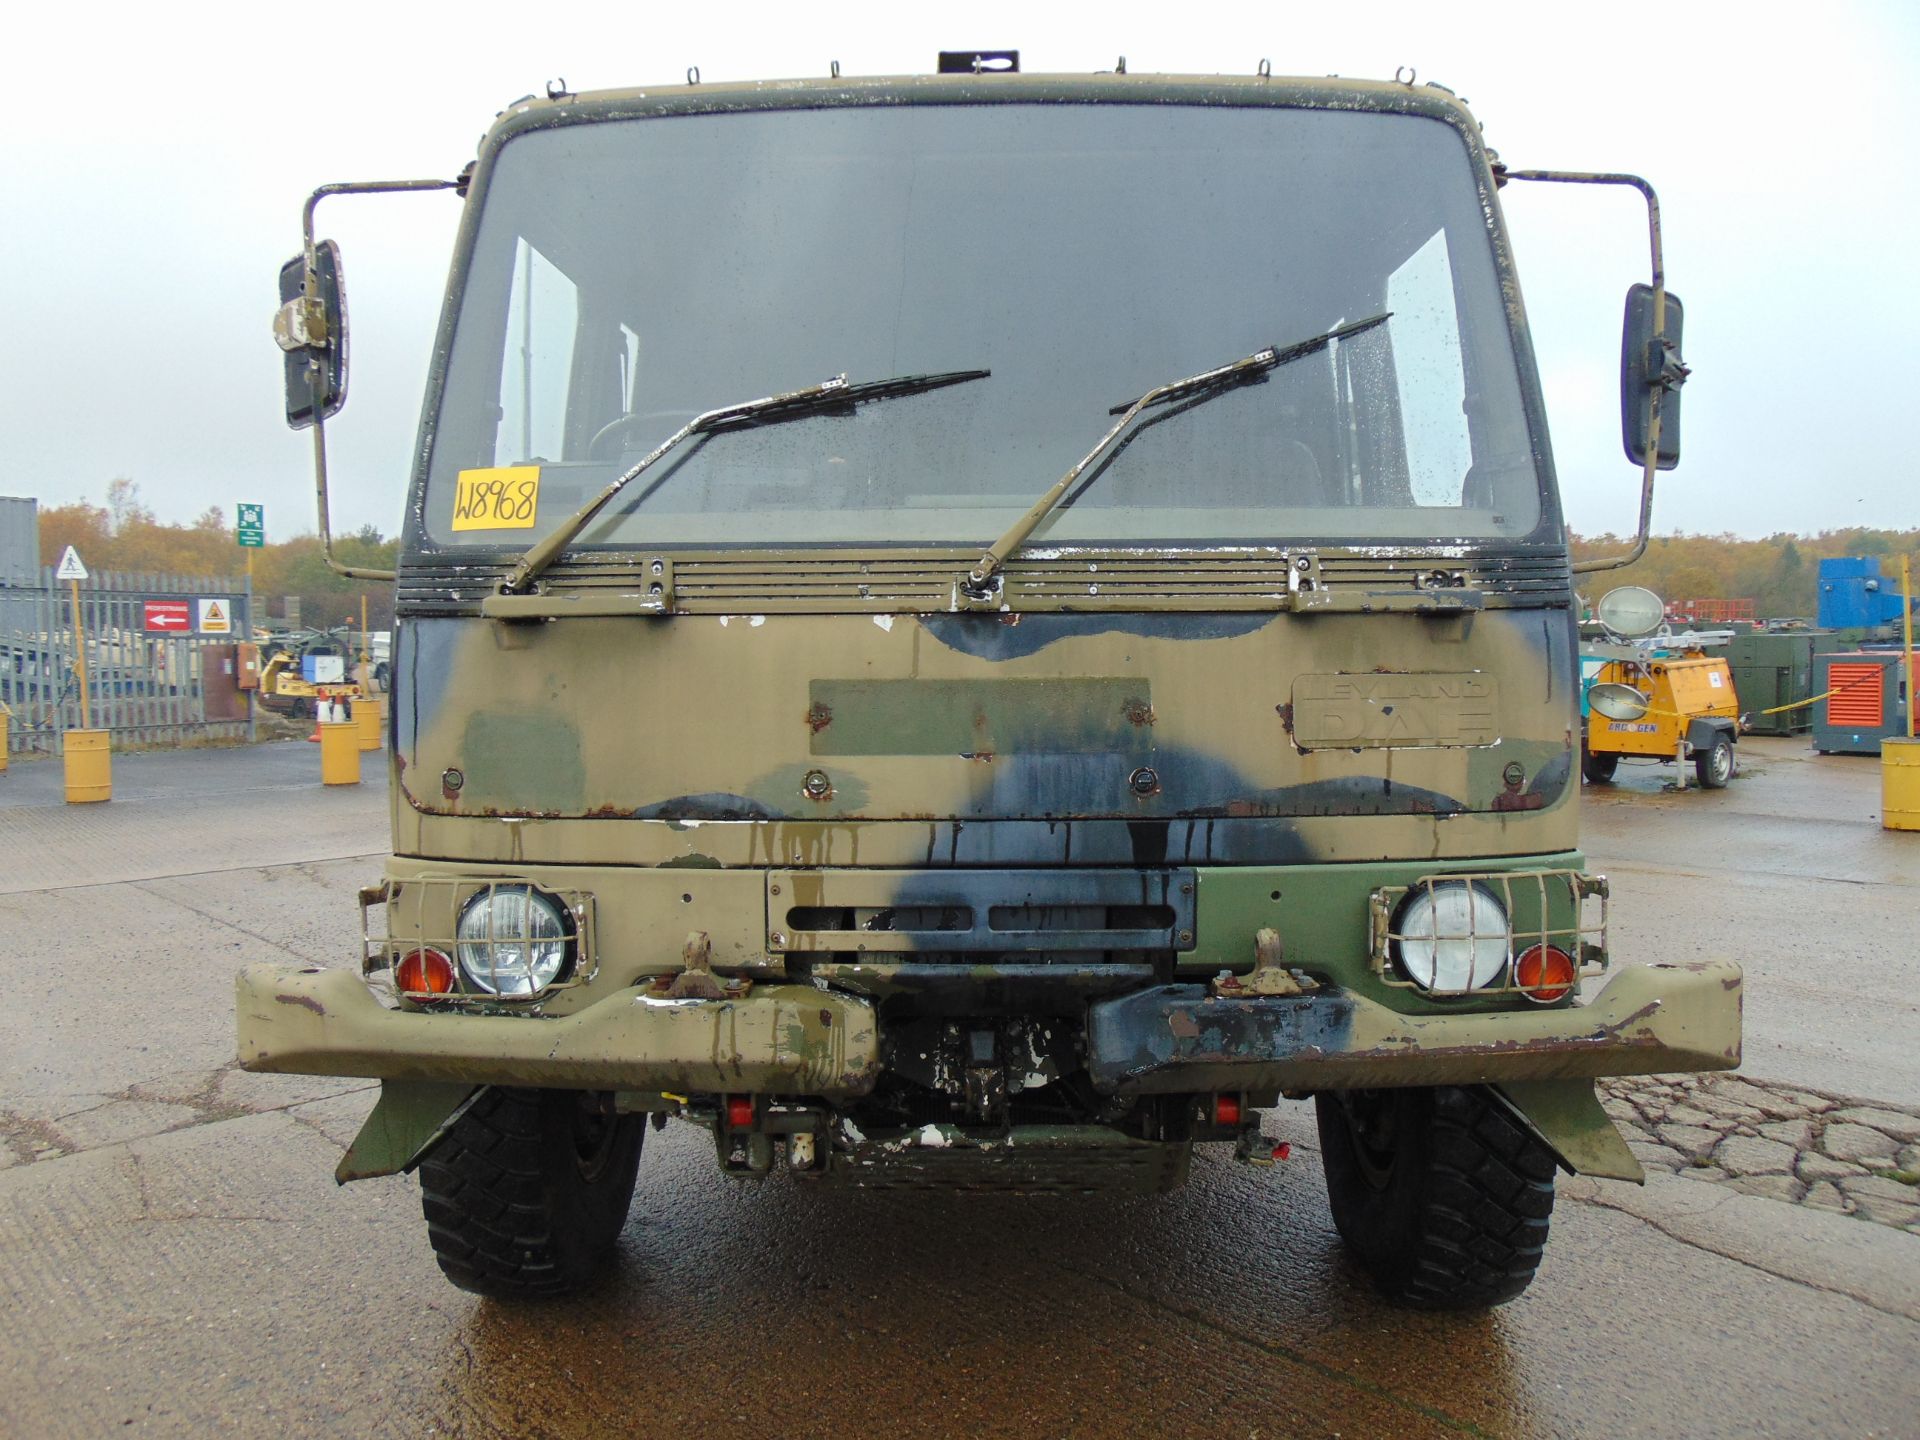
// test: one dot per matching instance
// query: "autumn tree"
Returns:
(125, 536)
(88, 528)
(1779, 574)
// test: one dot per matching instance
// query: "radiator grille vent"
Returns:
(922, 582)
(1859, 693)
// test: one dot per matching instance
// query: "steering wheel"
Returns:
(635, 421)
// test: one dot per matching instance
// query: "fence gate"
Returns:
(160, 657)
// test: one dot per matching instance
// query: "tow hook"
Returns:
(697, 981)
(1269, 977)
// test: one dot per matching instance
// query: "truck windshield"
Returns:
(628, 275)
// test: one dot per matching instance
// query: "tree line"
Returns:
(125, 535)
(1778, 573)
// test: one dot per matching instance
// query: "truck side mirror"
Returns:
(1650, 364)
(311, 330)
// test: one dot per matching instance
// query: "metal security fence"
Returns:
(160, 668)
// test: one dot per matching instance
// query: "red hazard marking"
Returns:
(169, 615)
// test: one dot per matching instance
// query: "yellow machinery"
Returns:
(1656, 696)
(286, 691)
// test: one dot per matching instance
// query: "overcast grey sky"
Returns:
(154, 164)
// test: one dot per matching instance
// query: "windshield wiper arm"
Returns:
(826, 397)
(835, 394)
(1199, 388)
(1250, 370)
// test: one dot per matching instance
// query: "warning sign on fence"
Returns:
(215, 617)
(167, 617)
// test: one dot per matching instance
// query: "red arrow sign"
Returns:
(169, 615)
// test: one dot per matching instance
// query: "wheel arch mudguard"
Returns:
(406, 1122)
(1704, 730)
(1568, 1118)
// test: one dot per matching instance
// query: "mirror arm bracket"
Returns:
(1639, 546)
(302, 324)
(1670, 371)
(351, 572)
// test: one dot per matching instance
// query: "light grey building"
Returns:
(19, 541)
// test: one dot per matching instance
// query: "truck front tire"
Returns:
(1439, 1193)
(529, 1190)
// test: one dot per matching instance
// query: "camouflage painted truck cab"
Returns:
(921, 777)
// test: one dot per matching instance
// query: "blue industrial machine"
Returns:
(1857, 599)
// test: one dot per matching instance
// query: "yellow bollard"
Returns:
(1899, 784)
(366, 714)
(6, 720)
(339, 752)
(89, 765)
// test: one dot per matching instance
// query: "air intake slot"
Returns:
(919, 919)
(1024, 919)
(997, 911)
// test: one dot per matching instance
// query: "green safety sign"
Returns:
(250, 525)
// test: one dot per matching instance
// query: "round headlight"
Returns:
(513, 940)
(1453, 937)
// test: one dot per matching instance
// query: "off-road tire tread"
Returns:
(492, 1216)
(1479, 1214)
(1489, 1198)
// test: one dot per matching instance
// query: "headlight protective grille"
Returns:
(450, 914)
(1563, 909)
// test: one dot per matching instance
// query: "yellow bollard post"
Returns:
(339, 752)
(89, 760)
(1900, 757)
(6, 720)
(89, 767)
(80, 650)
(1906, 629)
(367, 714)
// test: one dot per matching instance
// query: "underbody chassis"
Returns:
(819, 1072)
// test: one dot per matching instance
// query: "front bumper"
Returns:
(1649, 1020)
(799, 1040)
(777, 1039)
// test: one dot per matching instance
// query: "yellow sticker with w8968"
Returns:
(505, 497)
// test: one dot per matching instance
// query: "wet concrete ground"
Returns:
(1788, 871)
(174, 1258)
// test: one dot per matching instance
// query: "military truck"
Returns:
(979, 631)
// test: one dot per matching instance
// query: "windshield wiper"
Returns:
(978, 584)
(825, 398)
